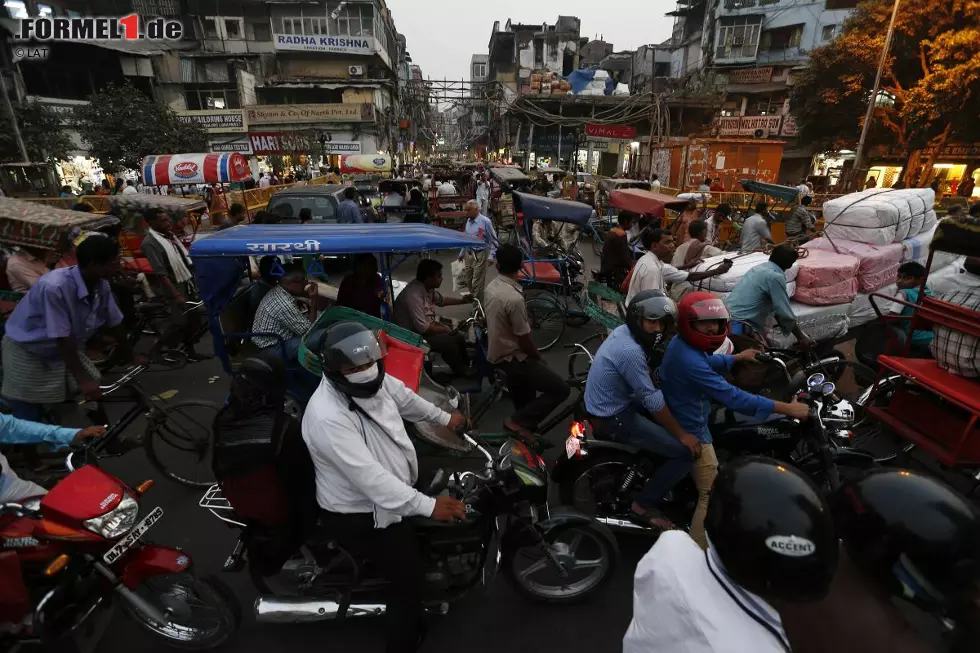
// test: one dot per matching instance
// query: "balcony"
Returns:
(781, 55)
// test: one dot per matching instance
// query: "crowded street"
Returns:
(362, 325)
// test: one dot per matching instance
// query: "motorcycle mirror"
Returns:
(828, 389)
(57, 565)
(815, 380)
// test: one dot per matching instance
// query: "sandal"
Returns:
(532, 440)
(652, 519)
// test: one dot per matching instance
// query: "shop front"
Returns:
(952, 166)
(726, 161)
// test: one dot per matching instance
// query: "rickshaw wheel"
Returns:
(547, 320)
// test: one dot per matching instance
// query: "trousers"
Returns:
(704, 473)
(452, 348)
(527, 378)
(629, 427)
(395, 552)
(475, 271)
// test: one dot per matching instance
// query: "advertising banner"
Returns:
(357, 45)
(622, 132)
(168, 169)
(365, 163)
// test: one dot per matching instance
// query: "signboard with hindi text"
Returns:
(274, 114)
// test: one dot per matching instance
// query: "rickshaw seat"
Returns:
(925, 372)
(540, 271)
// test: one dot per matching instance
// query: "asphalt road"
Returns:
(495, 620)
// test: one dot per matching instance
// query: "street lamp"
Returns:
(873, 100)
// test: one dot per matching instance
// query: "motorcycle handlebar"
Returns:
(19, 510)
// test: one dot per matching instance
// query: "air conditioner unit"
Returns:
(761, 133)
(355, 71)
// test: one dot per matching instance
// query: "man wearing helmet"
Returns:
(620, 385)
(771, 543)
(692, 380)
(366, 466)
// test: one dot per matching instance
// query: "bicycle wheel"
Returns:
(578, 362)
(547, 320)
(178, 441)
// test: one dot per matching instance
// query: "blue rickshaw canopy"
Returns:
(787, 194)
(296, 239)
(536, 207)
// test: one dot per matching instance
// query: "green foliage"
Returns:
(933, 73)
(122, 125)
(41, 128)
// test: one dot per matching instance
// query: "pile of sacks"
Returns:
(826, 278)
(880, 216)
(741, 264)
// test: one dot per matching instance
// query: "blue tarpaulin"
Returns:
(579, 79)
(336, 239)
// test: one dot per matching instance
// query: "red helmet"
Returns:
(698, 307)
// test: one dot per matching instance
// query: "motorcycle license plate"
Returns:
(572, 446)
(133, 536)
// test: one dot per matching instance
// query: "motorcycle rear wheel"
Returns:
(189, 599)
(567, 543)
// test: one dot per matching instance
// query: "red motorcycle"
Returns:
(66, 556)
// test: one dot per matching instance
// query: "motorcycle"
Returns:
(69, 556)
(602, 477)
(552, 555)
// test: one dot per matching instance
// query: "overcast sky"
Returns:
(442, 36)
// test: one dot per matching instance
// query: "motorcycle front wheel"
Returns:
(203, 612)
(586, 556)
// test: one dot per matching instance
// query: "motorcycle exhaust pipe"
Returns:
(274, 610)
(623, 524)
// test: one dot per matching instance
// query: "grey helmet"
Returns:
(650, 305)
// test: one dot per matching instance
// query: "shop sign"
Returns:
(622, 132)
(215, 122)
(64, 109)
(279, 142)
(358, 45)
(956, 151)
(241, 146)
(750, 76)
(271, 114)
(789, 125)
(342, 147)
(599, 146)
(757, 126)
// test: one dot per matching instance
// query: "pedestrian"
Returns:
(236, 215)
(46, 334)
(804, 188)
(755, 229)
(512, 350)
(173, 282)
(483, 194)
(966, 187)
(117, 188)
(350, 212)
(655, 183)
(476, 259)
(264, 180)
(721, 215)
(800, 223)
(680, 227)
(130, 188)
(705, 186)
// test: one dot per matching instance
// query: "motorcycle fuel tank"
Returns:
(86, 493)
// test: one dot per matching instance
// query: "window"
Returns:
(356, 19)
(738, 37)
(539, 53)
(156, 7)
(210, 27)
(781, 38)
(204, 98)
(479, 70)
(261, 31)
(16, 8)
(233, 28)
(842, 4)
(828, 32)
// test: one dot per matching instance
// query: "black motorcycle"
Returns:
(602, 477)
(557, 555)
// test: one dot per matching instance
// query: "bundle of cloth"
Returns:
(826, 278)
(880, 216)
(877, 264)
(916, 248)
(819, 322)
(742, 263)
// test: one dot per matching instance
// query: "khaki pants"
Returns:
(704, 472)
(475, 271)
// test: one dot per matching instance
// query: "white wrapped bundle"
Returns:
(740, 265)
(790, 290)
(861, 312)
(818, 322)
(877, 216)
(916, 249)
(930, 221)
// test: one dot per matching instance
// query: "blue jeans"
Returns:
(629, 427)
(291, 346)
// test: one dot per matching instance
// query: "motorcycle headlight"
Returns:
(118, 521)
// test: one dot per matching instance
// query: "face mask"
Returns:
(364, 376)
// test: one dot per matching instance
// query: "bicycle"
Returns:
(164, 422)
(150, 320)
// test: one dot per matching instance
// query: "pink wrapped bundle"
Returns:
(878, 263)
(843, 292)
(825, 268)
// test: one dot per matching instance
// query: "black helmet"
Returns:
(915, 535)
(346, 345)
(772, 530)
(649, 305)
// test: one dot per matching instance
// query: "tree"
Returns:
(930, 85)
(43, 132)
(122, 125)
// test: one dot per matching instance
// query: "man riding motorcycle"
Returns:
(691, 378)
(619, 379)
(366, 465)
(771, 543)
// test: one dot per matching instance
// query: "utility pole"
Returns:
(10, 107)
(859, 155)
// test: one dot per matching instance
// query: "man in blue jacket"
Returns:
(692, 379)
(20, 431)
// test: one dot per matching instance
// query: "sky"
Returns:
(442, 36)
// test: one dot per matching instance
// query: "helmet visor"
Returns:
(356, 350)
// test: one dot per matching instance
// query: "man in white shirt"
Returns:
(804, 188)
(721, 215)
(655, 183)
(264, 180)
(771, 539)
(130, 188)
(446, 189)
(651, 273)
(366, 466)
(755, 229)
